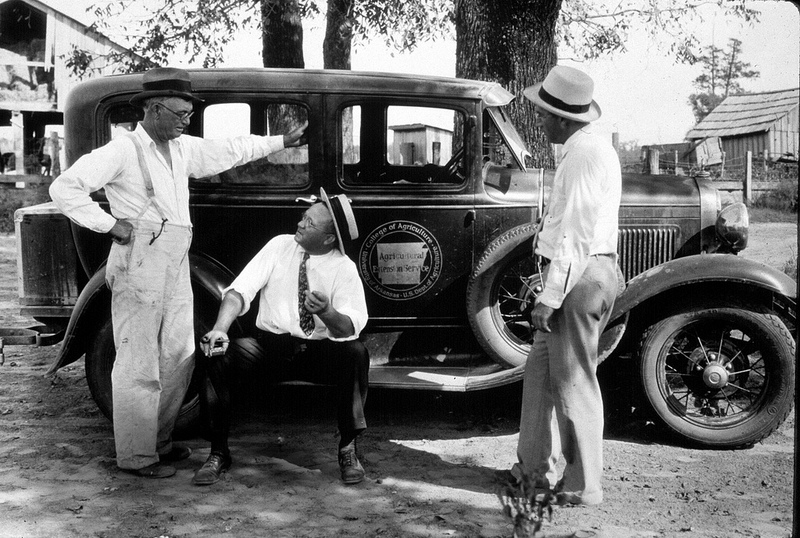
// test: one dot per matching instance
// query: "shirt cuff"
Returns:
(245, 302)
(550, 299)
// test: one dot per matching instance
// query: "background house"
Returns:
(35, 40)
(763, 123)
(419, 144)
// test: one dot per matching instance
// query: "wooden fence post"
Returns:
(766, 156)
(747, 190)
(654, 161)
(55, 161)
(676, 162)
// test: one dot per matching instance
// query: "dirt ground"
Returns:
(430, 462)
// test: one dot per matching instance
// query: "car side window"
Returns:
(288, 167)
(395, 145)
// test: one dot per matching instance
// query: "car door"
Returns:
(401, 162)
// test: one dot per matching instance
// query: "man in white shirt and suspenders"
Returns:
(145, 177)
(562, 409)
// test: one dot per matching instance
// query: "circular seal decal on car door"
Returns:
(400, 260)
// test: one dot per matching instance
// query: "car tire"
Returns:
(500, 296)
(718, 377)
(100, 361)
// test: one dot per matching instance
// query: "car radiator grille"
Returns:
(641, 248)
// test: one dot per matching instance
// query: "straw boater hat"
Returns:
(565, 92)
(343, 218)
(165, 82)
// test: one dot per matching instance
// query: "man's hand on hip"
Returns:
(121, 232)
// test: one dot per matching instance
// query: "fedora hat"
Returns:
(165, 82)
(343, 218)
(565, 92)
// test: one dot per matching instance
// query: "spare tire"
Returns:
(500, 296)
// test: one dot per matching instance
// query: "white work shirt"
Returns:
(583, 215)
(273, 273)
(115, 167)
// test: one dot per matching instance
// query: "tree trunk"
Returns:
(281, 34)
(336, 53)
(511, 42)
(338, 35)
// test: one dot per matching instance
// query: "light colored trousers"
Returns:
(153, 319)
(562, 408)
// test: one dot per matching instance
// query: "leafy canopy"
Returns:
(723, 71)
(201, 29)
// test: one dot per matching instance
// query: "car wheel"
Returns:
(500, 297)
(100, 361)
(720, 377)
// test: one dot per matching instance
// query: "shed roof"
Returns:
(746, 113)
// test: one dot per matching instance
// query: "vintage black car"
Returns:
(436, 175)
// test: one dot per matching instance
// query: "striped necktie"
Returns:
(306, 319)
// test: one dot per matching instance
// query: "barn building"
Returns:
(36, 39)
(764, 123)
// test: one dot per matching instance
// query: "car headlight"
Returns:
(732, 225)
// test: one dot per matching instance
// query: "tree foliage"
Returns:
(723, 72)
(513, 42)
(200, 30)
(590, 29)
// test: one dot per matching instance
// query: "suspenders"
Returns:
(148, 181)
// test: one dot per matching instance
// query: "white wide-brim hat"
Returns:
(343, 217)
(565, 92)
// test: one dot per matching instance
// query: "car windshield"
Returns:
(509, 135)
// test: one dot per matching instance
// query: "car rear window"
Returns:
(395, 145)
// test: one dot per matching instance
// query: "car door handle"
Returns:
(310, 200)
(469, 218)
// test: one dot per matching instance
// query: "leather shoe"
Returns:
(350, 467)
(212, 469)
(156, 470)
(177, 453)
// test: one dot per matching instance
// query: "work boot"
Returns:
(352, 471)
(212, 469)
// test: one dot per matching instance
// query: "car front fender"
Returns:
(702, 269)
(93, 306)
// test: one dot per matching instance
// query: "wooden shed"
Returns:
(418, 144)
(764, 123)
(36, 38)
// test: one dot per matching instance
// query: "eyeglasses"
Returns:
(306, 222)
(181, 115)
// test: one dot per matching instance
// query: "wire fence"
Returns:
(764, 167)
